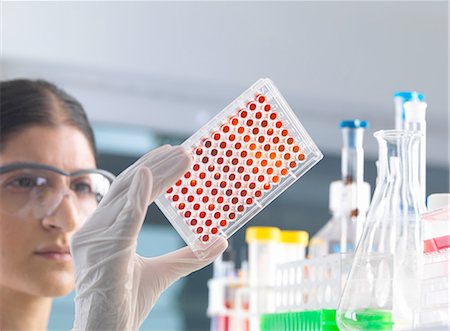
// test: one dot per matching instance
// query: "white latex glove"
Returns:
(115, 287)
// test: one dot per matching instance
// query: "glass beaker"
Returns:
(382, 290)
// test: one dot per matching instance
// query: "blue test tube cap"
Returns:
(354, 124)
(409, 96)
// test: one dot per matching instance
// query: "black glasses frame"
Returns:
(25, 165)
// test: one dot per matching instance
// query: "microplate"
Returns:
(242, 159)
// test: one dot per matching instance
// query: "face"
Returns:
(26, 243)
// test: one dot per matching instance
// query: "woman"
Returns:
(50, 188)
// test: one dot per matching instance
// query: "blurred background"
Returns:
(150, 73)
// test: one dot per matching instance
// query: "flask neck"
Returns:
(398, 178)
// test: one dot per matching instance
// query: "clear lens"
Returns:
(38, 192)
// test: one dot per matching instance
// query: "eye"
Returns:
(26, 182)
(81, 187)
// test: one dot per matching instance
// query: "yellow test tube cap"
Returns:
(262, 234)
(294, 237)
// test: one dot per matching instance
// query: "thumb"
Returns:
(171, 267)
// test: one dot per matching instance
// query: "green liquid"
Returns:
(368, 319)
(319, 320)
(325, 320)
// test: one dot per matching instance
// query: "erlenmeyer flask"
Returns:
(382, 290)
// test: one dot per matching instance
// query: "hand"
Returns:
(115, 287)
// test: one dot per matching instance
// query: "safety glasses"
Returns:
(36, 190)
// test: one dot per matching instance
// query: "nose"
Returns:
(65, 217)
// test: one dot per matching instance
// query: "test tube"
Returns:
(224, 266)
(415, 121)
(293, 245)
(219, 290)
(262, 261)
(352, 168)
(352, 162)
(399, 99)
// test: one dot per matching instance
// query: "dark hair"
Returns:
(25, 103)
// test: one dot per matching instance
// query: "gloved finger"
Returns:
(166, 167)
(154, 153)
(123, 180)
(121, 205)
(166, 172)
(172, 266)
(122, 209)
(130, 219)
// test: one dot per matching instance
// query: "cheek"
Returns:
(16, 247)
(21, 269)
(14, 240)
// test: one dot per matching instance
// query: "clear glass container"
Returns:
(349, 197)
(352, 170)
(415, 120)
(263, 257)
(399, 99)
(382, 290)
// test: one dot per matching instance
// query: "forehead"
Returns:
(64, 147)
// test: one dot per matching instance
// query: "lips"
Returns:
(55, 253)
